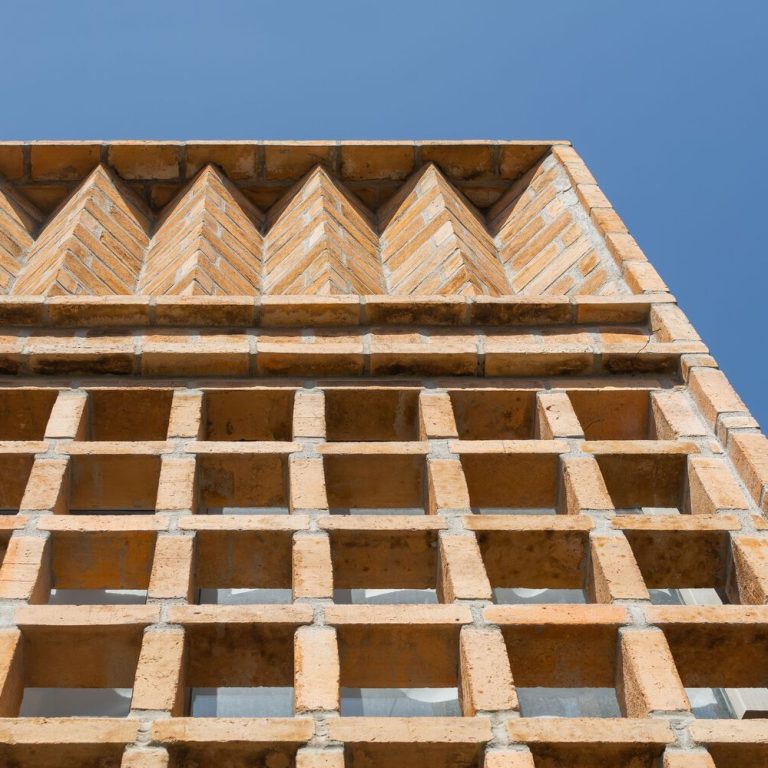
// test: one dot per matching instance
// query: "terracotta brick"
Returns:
(712, 487)
(436, 416)
(749, 454)
(158, 684)
(687, 759)
(238, 161)
(648, 680)
(317, 669)
(486, 678)
(363, 161)
(186, 420)
(47, 486)
(508, 758)
(750, 561)
(145, 757)
(309, 415)
(68, 162)
(713, 394)
(172, 569)
(176, 489)
(447, 485)
(11, 161)
(556, 417)
(641, 277)
(674, 416)
(145, 160)
(292, 160)
(308, 490)
(584, 485)
(308, 757)
(25, 574)
(615, 574)
(312, 567)
(462, 574)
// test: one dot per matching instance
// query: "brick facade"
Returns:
(320, 368)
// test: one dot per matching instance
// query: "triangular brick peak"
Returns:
(433, 241)
(93, 245)
(208, 242)
(19, 222)
(322, 242)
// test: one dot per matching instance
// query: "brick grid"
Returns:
(618, 639)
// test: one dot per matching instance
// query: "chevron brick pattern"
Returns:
(545, 240)
(19, 220)
(322, 242)
(209, 242)
(433, 242)
(95, 244)
(403, 222)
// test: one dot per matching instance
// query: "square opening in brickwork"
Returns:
(564, 670)
(613, 414)
(248, 414)
(14, 474)
(494, 414)
(536, 566)
(24, 413)
(364, 414)
(404, 670)
(84, 671)
(448, 753)
(653, 482)
(242, 483)
(239, 670)
(723, 665)
(384, 566)
(512, 483)
(128, 414)
(231, 754)
(372, 483)
(113, 484)
(100, 567)
(243, 567)
(584, 751)
(682, 566)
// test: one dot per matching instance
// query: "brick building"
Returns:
(364, 455)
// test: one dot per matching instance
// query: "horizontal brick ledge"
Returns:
(244, 730)
(589, 730)
(67, 730)
(406, 730)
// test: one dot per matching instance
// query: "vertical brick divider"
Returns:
(316, 652)
(486, 687)
(159, 687)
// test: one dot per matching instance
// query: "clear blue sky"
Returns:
(666, 101)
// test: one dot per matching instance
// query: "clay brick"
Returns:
(556, 417)
(172, 569)
(674, 417)
(47, 487)
(186, 415)
(615, 574)
(647, 678)
(312, 567)
(750, 562)
(436, 416)
(363, 161)
(317, 669)
(486, 678)
(319, 758)
(11, 682)
(462, 574)
(291, 161)
(66, 419)
(713, 394)
(508, 758)
(145, 757)
(307, 485)
(749, 454)
(25, 573)
(144, 160)
(641, 277)
(687, 759)
(447, 485)
(584, 485)
(712, 487)
(238, 161)
(11, 161)
(670, 324)
(158, 684)
(623, 247)
(309, 415)
(176, 488)
(63, 162)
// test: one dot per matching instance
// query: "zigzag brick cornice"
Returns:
(19, 221)
(434, 243)
(95, 243)
(322, 242)
(391, 219)
(207, 243)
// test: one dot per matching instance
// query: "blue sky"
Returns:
(666, 101)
